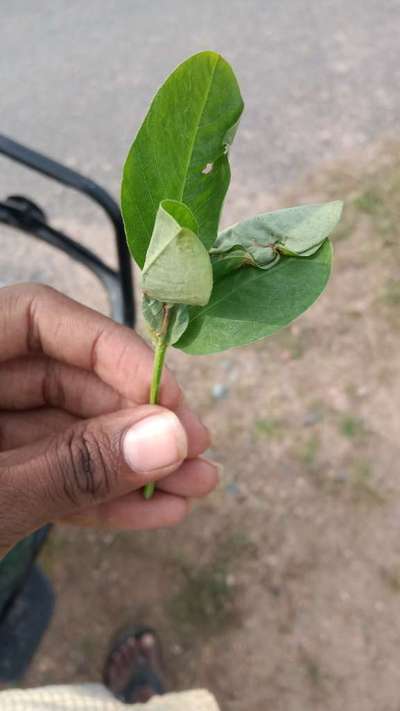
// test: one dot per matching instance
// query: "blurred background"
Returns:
(282, 591)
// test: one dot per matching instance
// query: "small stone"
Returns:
(341, 475)
(227, 363)
(219, 391)
(232, 488)
(312, 418)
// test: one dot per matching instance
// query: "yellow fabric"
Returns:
(95, 697)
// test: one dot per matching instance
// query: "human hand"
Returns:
(77, 441)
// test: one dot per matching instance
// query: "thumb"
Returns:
(89, 462)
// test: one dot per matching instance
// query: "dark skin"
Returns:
(72, 383)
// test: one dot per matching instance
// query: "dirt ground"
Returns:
(282, 590)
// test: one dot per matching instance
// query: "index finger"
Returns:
(38, 319)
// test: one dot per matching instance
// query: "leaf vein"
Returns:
(195, 134)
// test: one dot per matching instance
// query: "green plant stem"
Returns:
(159, 357)
(158, 364)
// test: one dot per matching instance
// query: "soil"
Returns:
(282, 590)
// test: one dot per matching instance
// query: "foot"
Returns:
(132, 670)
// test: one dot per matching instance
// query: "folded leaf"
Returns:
(297, 231)
(154, 313)
(249, 304)
(225, 262)
(177, 269)
(180, 151)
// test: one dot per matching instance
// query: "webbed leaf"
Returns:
(294, 231)
(180, 151)
(177, 269)
(226, 262)
(249, 303)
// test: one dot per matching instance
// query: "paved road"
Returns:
(318, 78)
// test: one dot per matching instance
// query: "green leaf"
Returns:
(180, 151)
(297, 231)
(249, 304)
(177, 269)
(226, 262)
(178, 321)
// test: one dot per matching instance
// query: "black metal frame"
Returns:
(22, 213)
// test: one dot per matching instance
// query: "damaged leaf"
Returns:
(154, 314)
(190, 123)
(249, 303)
(177, 269)
(261, 240)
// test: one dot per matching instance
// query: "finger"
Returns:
(90, 462)
(21, 428)
(133, 512)
(34, 381)
(194, 478)
(37, 319)
(18, 429)
(198, 435)
(83, 338)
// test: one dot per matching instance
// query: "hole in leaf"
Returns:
(207, 168)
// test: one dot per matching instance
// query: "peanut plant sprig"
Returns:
(205, 291)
